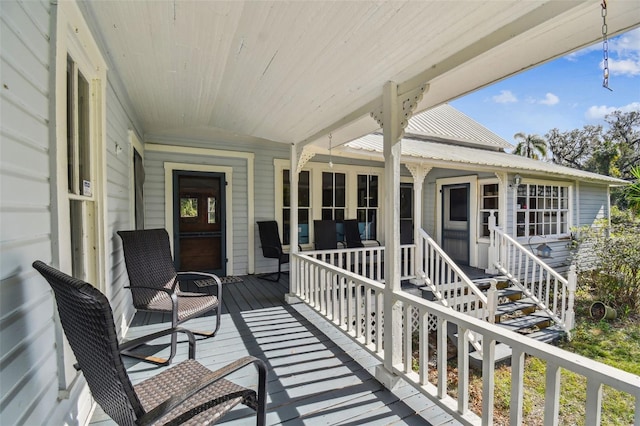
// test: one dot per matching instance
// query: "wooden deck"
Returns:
(317, 375)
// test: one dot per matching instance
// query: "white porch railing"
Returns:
(451, 286)
(355, 303)
(539, 282)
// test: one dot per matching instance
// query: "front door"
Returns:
(199, 221)
(455, 222)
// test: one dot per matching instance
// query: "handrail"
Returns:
(355, 304)
(549, 290)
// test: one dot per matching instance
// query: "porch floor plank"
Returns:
(316, 374)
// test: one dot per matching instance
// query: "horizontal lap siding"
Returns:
(594, 206)
(154, 188)
(118, 207)
(28, 370)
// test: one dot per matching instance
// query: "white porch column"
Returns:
(419, 173)
(293, 227)
(392, 132)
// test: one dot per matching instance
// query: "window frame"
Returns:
(480, 209)
(558, 210)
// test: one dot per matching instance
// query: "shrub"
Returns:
(609, 263)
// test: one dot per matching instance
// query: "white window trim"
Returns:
(315, 187)
(134, 144)
(570, 209)
(499, 209)
(74, 39)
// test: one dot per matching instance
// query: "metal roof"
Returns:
(447, 155)
(447, 123)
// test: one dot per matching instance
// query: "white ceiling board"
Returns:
(290, 71)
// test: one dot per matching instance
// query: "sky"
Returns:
(565, 93)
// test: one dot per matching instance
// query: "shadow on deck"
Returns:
(317, 375)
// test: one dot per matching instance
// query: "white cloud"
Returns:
(598, 112)
(505, 97)
(549, 99)
(625, 67)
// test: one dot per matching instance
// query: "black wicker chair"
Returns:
(352, 237)
(187, 392)
(272, 246)
(325, 235)
(155, 284)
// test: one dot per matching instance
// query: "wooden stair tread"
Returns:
(525, 321)
(516, 305)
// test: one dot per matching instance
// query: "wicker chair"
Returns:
(272, 246)
(187, 393)
(155, 284)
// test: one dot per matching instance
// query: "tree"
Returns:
(624, 134)
(530, 146)
(574, 148)
(633, 190)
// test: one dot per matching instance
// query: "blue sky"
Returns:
(566, 93)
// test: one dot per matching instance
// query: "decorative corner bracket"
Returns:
(303, 158)
(408, 102)
(418, 171)
(500, 177)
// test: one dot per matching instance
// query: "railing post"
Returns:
(492, 301)
(493, 247)
(572, 279)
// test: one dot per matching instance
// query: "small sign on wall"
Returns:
(86, 188)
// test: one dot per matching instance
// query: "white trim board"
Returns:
(169, 168)
(250, 159)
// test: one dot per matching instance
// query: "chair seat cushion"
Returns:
(213, 401)
(189, 304)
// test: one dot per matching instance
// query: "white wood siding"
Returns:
(28, 370)
(118, 204)
(263, 192)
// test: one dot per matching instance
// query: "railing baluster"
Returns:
(517, 387)
(442, 357)
(552, 394)
(488, 379)
(594, 402)
(423, 361)
(463, 370)
(408, 338)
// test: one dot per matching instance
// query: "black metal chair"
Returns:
(352, 236)
(187, 391)
(325, 235)
(272, 246)
(155, 284)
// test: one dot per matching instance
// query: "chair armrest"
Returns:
(140, 340)
(172, 294)
(215, 278)
(210, 379)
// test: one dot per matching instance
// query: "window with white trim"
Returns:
(489, 200)
(334, 200)
(304, 206)
(367, 212)
(542, 209)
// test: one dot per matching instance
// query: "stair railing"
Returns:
(450, 286)
(549, 290)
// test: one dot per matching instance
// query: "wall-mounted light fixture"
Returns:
(118, 149)
(516, 180)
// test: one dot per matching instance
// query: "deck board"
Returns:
(316, 374)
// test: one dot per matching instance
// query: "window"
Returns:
(80, 182)
(304, 206)
(334, 199)
(542, 210)
(367, 213)
(488, 201)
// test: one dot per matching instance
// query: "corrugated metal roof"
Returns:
(423, 151)
(446, 122)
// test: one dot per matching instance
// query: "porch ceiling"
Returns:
(291, 72)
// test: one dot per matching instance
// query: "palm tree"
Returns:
(530, 146)
(633, 190)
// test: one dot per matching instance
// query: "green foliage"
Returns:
(632, 192)
(530, 146)
(613, 275)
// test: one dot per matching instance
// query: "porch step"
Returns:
(485, 283)
(512, 293)
(515, 306)
(525, 322)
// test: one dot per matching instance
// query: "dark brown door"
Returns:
(199, 221)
